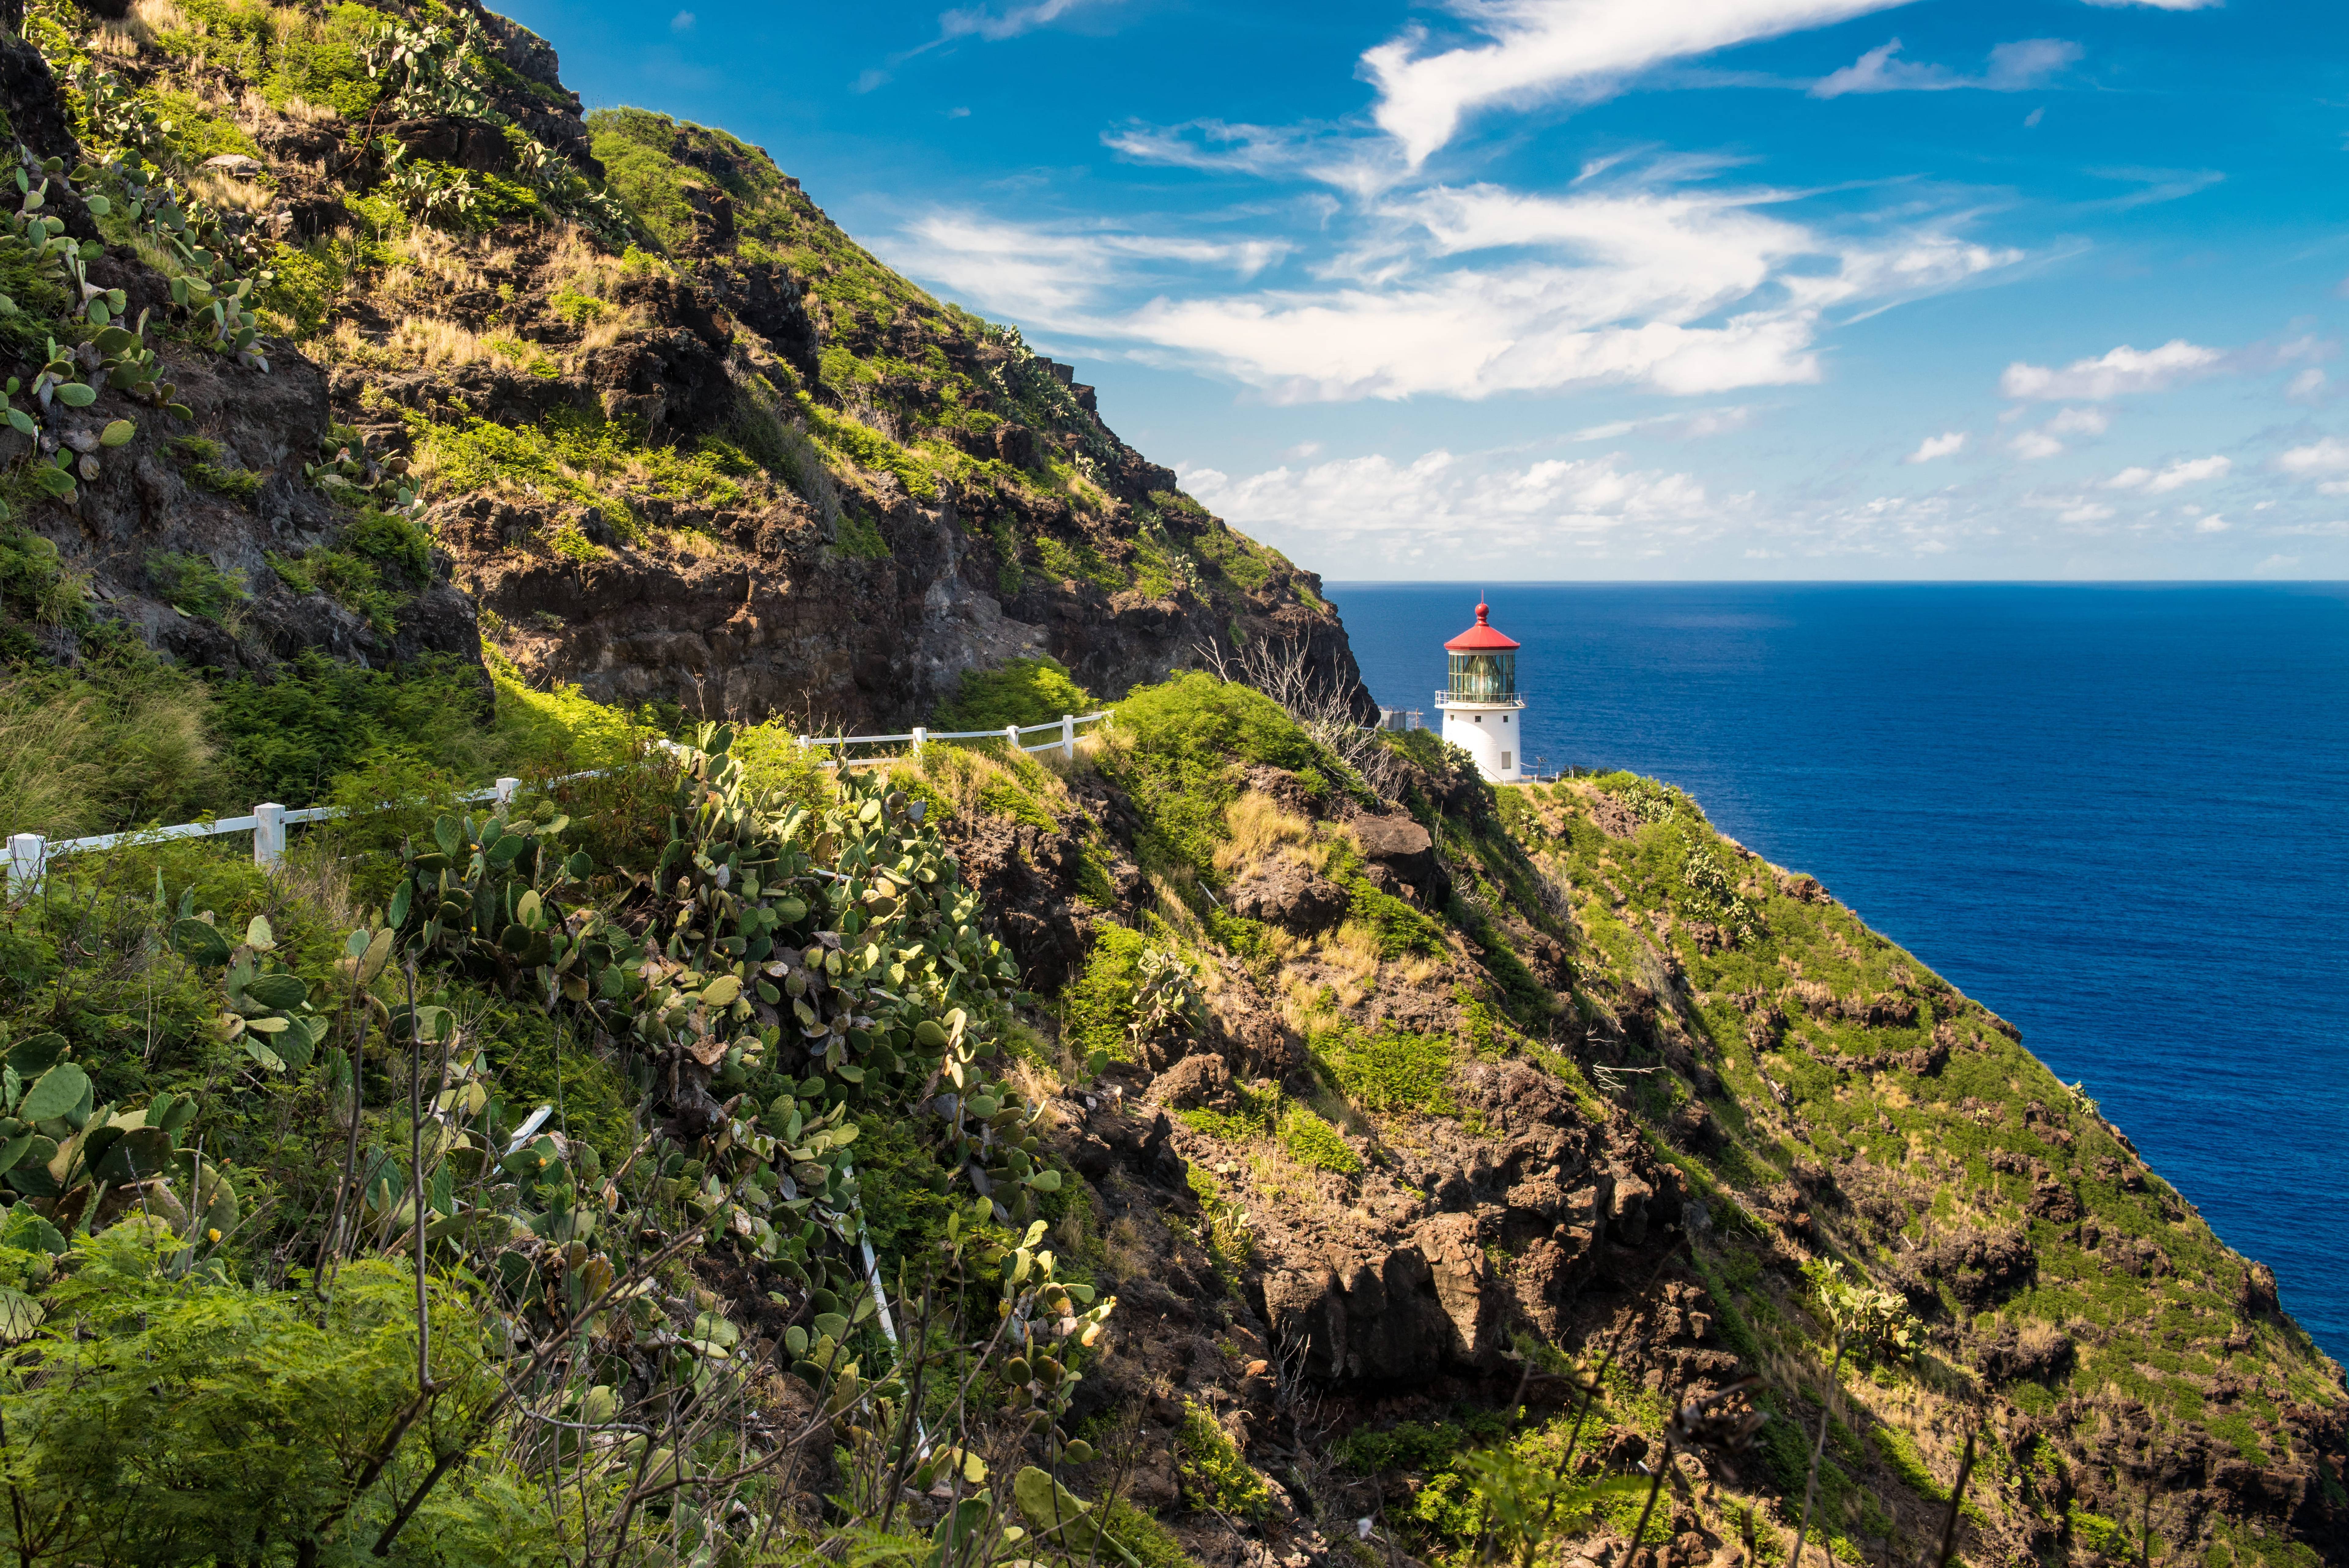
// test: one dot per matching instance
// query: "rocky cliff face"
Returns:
(611, 393)
(1633, 1095)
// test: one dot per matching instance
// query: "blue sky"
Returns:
(1541, 289)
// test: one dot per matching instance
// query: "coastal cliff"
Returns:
(1246, 1139)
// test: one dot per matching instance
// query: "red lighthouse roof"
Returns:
(1481, 638)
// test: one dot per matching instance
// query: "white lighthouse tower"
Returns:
(1483, 714)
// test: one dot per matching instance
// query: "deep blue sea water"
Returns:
(2116, 816)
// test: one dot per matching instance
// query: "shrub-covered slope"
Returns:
(1259, 1127)
(414, 358)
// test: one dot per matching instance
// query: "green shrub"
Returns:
(860, 536)
(1213, 1472)
(1311, 1141)
(1406, 1446)
(1398, 928)
(239, 485)
(1097, 1005)
(867, 448)
(1024, 691)
(1391, 1069)
(350, 581)
(264, 1404)
(289, 738)
(1176, 752)
(632, 146)
(193, 585)
(1080, 563)
(331, 71)
(194, 133)
(773, 759)
(392, 539)
(572, 455)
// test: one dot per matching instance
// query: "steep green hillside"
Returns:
(390, 356)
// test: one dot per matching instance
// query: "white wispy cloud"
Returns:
(1054, 278)
(2014, 67)
(2175, 476)
(2160, 5)
(1538, 51)
(1009, 21)
(1947, 445)
(2032, 445)
(1469, 292)
(2123, 370)
(1459, 509)
(1694, 424)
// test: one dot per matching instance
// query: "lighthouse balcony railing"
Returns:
(1445, 697)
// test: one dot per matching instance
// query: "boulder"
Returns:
(1285, 893)
(1404, 848)
(1197, 1083)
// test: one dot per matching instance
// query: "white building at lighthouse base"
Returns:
(1488, 731)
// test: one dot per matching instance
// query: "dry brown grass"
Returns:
(230, 194)
(1259, 827)
(428, 342)
(444, 262)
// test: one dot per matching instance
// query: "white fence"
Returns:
(1063, 730)
(29, 854)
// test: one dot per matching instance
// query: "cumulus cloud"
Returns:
(1457, 509)
(2014, 67)
(2214, 523)
(2161, 481)
(2317, 458)
(2032, 445)
(2092, 421)
(1947, 445)
(1538, 51)
(2123, 370)
(2086, 512)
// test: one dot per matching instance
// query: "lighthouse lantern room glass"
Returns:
(1485, 676)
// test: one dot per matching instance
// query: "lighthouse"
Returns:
(1484, 713)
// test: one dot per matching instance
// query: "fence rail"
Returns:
(1063, 730)
(29, 854)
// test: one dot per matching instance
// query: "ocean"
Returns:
(2118, 815)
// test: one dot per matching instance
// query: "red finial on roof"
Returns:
(1481, 638)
